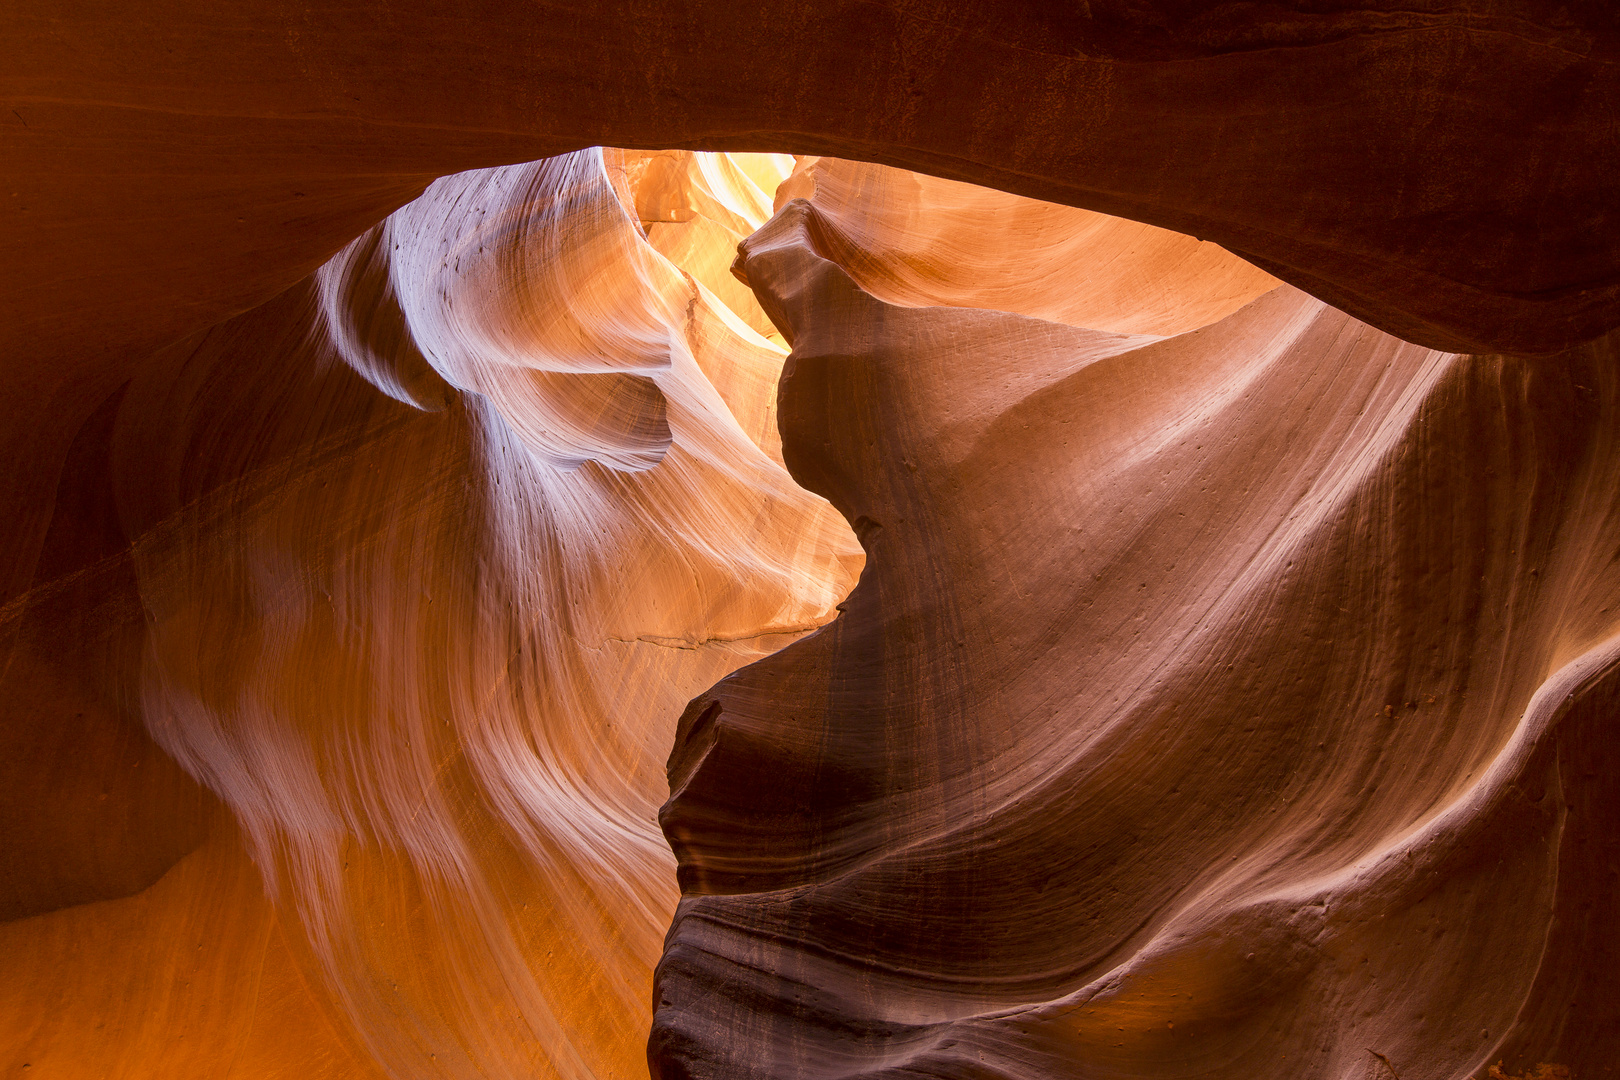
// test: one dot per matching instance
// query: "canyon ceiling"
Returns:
(847, 539)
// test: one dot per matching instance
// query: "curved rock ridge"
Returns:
(1444, 169)
(411, 570)
(918, 241)
(1228, 689)
(1231, 701)
(1441, 168)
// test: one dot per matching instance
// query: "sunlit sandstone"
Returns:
(424, 558)
(1225, 689)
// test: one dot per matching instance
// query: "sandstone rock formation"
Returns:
(1228, 689)
(411, 570)
(1233, 701)
(916, 241)
(1444, 169)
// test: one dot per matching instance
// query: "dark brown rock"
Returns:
(1209, 702)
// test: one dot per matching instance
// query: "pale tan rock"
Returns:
(1237, 703)
(429, 553)
(397, 583)
(917, 241)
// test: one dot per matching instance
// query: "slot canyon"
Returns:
(856, 540)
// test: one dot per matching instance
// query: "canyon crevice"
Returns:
(1271, 736)
(811, 541)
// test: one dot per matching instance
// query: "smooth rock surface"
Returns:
(409, 571)
(1444, 169)
(1228, 691)
(1231, 703)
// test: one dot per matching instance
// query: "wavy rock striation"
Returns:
(384, 582)
(1227, 689)
(912, 240)
(410, 571)
(1230, 697)
(1441, 168)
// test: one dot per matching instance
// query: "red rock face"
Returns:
(1227, 689)
(400, 583)
(1233, 701)
(1444, 170)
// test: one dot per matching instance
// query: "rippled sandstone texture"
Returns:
(1445, 169)
(409, 571)
(317, 582)
(1228, 698)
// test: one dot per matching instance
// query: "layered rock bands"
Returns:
(1228, 697)
(1099, 658)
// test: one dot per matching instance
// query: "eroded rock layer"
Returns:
(1227, 691)
(1444, 169)
(1230, 699)
(395, 590)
